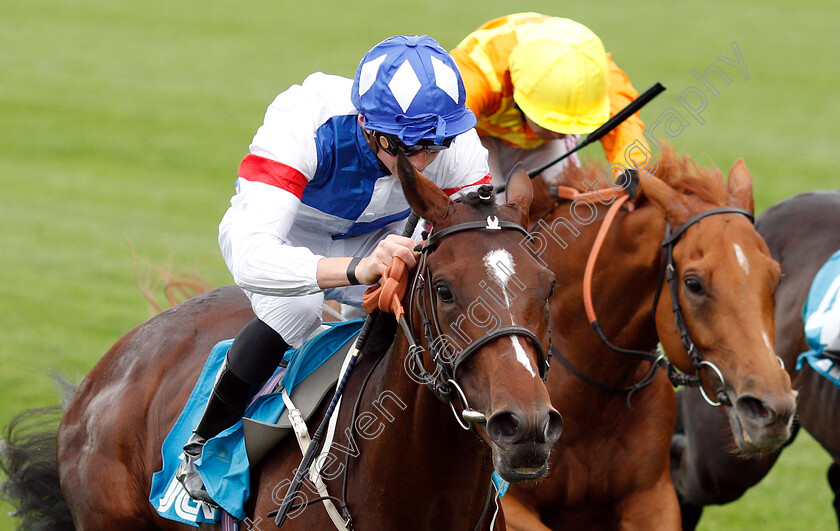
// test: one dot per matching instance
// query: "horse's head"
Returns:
(725, 282)
(485, 301)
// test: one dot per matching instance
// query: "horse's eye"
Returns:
(551, 290)
(694, 285)
(444, 293)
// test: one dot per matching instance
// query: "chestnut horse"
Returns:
(610, 470)
(802, 233)
(412, 465)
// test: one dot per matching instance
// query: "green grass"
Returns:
(122, 125)
(795, 496)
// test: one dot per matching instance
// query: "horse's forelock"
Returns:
(483, 200)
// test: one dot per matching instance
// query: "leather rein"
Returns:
(667, 273)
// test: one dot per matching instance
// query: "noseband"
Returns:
(443, 382)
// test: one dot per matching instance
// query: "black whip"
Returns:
(625, 113)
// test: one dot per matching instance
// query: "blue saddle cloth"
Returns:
(224, 466)
(821, 315)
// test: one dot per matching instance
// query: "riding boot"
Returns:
(254, 355)
(227, 403)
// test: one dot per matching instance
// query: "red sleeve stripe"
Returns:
(483, 180)
(262, 170)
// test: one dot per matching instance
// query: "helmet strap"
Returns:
(374, 146)
(370, 140)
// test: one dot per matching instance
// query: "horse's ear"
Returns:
(424, 196)
(666, 199)
(739, 186)
(519, 192)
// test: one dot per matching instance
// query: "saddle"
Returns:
(310, 374)
(833, 350)
(261, 437)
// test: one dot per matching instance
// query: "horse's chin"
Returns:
(751, 439)
(522, 462)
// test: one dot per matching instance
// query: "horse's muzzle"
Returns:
(521, 445)
(761, 426)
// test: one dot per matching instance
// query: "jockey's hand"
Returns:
(372, 267)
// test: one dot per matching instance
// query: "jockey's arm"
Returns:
(332, 271)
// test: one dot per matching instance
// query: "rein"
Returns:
(667, 272)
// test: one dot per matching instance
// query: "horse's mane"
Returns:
(686, 176)
(681, 172)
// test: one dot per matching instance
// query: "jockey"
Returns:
(318, 210)
(535, 83)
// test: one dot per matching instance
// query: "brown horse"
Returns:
(407, 463)
(610, 470)
(802, 233)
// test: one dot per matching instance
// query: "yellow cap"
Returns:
(559, 76)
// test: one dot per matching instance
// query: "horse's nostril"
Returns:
(505, 428)
(552, 427)
(755, 409)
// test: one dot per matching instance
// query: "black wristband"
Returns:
(351, 271)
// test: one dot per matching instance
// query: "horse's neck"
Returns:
(419, 455)
(430, 421)
(622, 290)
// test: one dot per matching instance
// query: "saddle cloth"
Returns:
(227, 458)
(821, 315)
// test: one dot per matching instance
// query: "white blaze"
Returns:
(742, 258)
(500, 267)
(767, 342)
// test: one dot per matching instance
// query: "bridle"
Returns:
(444, 381)
(667, 273)
(447, 365)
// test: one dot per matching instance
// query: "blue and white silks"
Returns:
(821, 315)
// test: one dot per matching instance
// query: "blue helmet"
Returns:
(410, 87)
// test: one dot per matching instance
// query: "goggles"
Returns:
(390, 144)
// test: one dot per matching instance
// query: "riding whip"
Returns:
(625, 113)
(315, 443)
